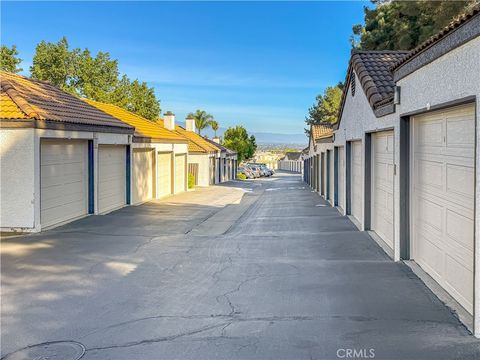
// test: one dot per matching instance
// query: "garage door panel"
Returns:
(180, 161)
(458, 280)
(460, 180)
(459, 228)
(63, 181)
(443, 203)
(332, 178)
(143, 175)
(460, 132)
(111, 177)
(382, 177)
(430, 214)
(356, 180)
(54, 178)
(55, 201)
(164, 174)
(430, 133)
(50, 216)
(341, 176)
(430, 174)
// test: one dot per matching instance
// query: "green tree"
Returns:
(237, 139)
(142, 100)
(326, 108)
(402, 25)
(214, 126)
(96, 78)
(120, 95)
(252, 147)
(135, 96)
(9, 59)
(54, 63)
(202, 120)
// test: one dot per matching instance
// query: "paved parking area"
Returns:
(247, 270)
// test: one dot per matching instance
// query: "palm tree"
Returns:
(202, 119)
(214, 126)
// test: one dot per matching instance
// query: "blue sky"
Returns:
(259, 64)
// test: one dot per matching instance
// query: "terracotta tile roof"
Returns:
(456, 23)
(8, 108)
(39, 100)
(373, 71)
(320, 131)
(216, 145)
(143, 128)
(196, 143)
(220, 147)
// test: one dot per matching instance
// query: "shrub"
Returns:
(241, 176)
(191, 181)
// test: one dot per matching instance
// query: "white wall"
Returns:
(17, 179)
(203, 161)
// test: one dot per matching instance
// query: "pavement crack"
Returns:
(143, 244)
(158, 339)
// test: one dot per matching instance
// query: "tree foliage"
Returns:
(9, 59)
(202, 120)
(54, 63)
(402, 25)
(214, 125)
(326, 106)
(93, 77)
(237, 139)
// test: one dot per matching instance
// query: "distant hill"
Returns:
(273, 138)
(263, 137)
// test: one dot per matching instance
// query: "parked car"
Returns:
(267, 170)
(246, 171)
(255, 170)
(264, 170)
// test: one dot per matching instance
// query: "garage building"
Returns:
(201, 154)
(158, 155)
(61, 158)
(406, 158)
(438, 109)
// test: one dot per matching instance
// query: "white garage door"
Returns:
(341, 177)
(331, 181)
(443, 199)
(143, 175)
(164, 174)
(382, 185)
(356, 180)
(63, 181)
(180, 173)
(111, 177)
(324, 174)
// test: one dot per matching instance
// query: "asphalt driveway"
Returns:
(246, 270)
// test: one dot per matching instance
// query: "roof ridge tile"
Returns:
(22, 104)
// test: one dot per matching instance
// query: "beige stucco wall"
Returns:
(203, 161)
